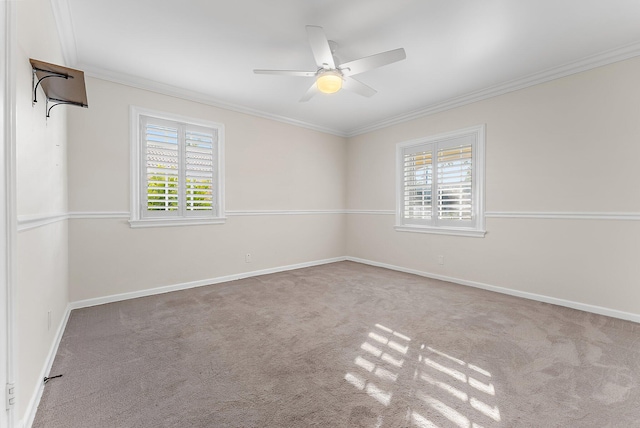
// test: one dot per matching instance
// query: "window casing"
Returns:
(176, 170)
(440, 183)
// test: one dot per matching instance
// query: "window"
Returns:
(176, 170)
(440, 184)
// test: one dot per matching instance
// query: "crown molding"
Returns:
(186, 94)
(64, 23)
(585, 64)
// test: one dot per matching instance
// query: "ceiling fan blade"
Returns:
(320, 47)
(287, 72)
(310, 93)
(370, 62)
(353, 85)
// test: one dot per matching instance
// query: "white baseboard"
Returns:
(526, 295)
(35, 399)
(32, 407)
(186, 285)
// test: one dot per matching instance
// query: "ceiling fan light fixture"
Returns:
(329, 82)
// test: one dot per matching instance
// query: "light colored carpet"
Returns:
(342, 345)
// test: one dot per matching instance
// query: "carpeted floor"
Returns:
(342, 345)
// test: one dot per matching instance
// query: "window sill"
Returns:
(475, 233)
(166, 222)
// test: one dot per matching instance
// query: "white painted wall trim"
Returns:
(590, 62)
(178, 222)
(526, 295)
(26, 222)
(37, 394)
(64, 23)
(281, 212)
(565, 215)
(585, 64)
(99, 214)
(442, 231)
(371, 212)
(32, 407)
(63, 20)
(533, 214)
(185, 94)
(200, 283)
(8, 210)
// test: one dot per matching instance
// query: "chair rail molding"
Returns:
(565, 215)
(32, 221)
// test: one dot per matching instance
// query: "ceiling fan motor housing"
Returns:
(329, 81)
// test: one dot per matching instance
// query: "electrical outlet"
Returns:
(441, 260)
(11, 395)
(247, 258)
(49, 320)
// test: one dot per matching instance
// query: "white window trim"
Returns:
(137, 220)
(479, 166)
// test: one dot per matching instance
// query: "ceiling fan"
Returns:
(331, 76)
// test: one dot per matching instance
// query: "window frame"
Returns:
(138, 216)
(474, 227)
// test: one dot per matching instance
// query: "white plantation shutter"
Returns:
(179, 169)
(162, 160)
(455, 186)
(418, 184)
(199, 169)
(438, 182)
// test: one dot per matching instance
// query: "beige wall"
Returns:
(567, 146)
(269, 166)
(41, 150)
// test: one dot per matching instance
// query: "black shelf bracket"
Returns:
(61, 85)
(49, 74)
(60, 102)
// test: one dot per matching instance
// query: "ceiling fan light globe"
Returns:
(329, 83)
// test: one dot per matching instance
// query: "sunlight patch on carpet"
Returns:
(443, 386)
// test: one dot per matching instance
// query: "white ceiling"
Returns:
(457, 50)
